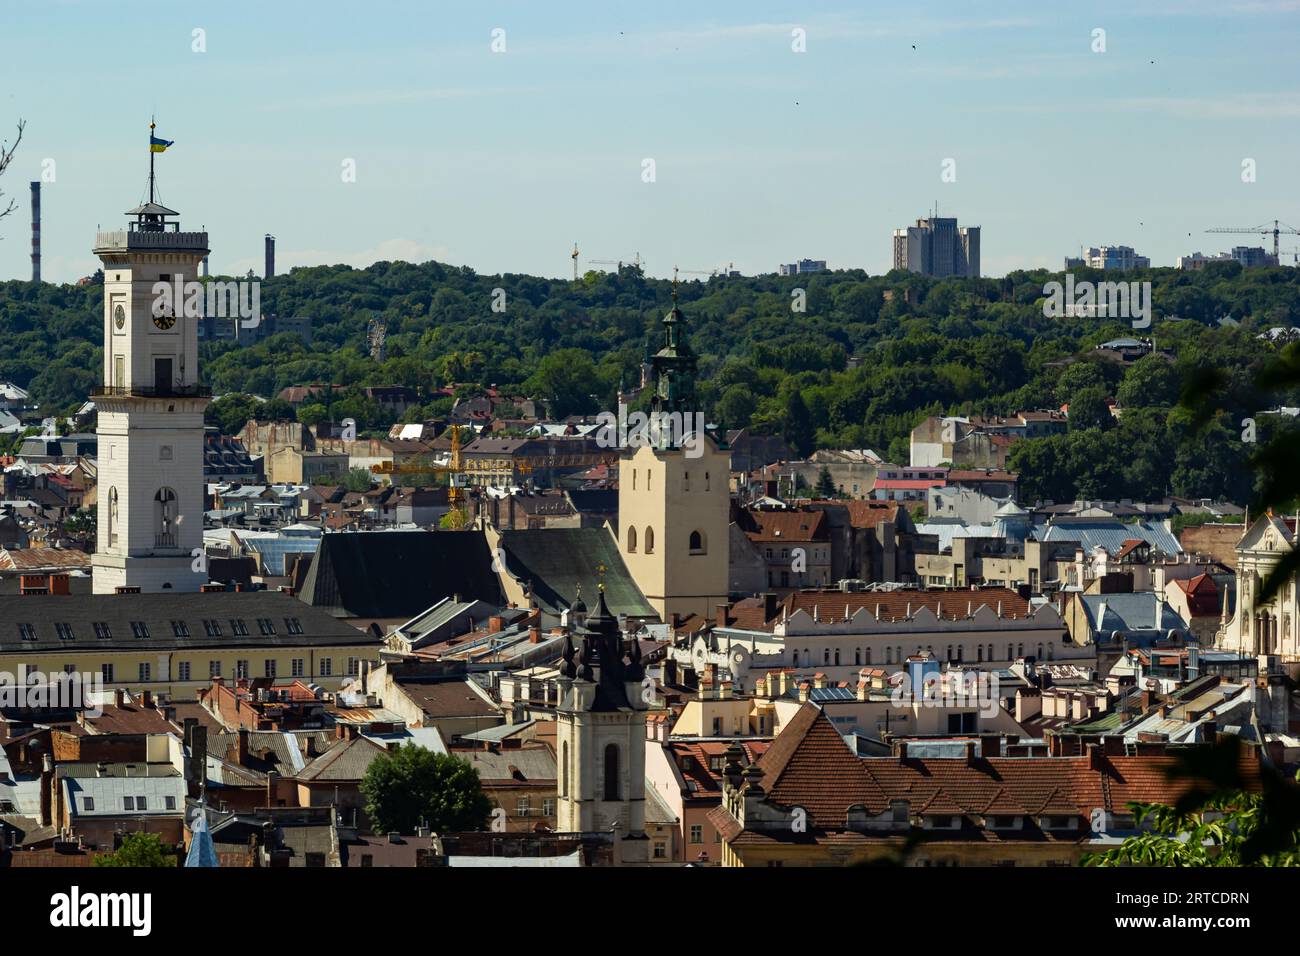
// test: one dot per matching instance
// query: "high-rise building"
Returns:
(803, 265)
(938, 247)
(150, 410)
(1108, 257)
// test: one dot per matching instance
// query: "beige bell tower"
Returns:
(150, 406)
(674, 502)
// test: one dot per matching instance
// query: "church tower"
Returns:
(600, 734)
(150, 407)
(674, 499)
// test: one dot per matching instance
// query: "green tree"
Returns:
(139, 849)
(1088, 410)
(411, 786)
(825, 484)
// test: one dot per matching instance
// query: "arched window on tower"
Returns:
(165, 515)
(631, 540)
(649, 540)
(112, 517)
(564, 769)
(698, 545)
(612, 790)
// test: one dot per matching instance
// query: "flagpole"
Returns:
(151, 128)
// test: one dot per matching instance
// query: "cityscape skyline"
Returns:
(1000, 93)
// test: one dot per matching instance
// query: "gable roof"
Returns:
(398, 574)
(555, 562)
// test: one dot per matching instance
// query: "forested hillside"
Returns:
(868, 358)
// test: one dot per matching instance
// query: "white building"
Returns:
(150, 410)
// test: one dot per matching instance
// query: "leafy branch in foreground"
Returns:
(1223, 819)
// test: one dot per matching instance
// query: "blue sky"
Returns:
(501, 161)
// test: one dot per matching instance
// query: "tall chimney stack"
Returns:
(270, 257)
(36, 231)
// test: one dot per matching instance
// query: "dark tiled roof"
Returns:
(556, 561)
(398, 574)
(157, 612)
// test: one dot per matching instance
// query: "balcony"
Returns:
(123, 240)
(160, 391)
(165, 539)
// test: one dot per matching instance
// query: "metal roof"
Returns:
(110, 795)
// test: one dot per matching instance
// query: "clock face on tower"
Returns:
(119, 316)
(164, 322)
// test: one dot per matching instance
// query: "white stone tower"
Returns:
(600, 735)
(150, 405)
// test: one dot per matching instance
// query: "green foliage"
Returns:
(855, 370)
(411, 786)
(139, 849)
(1218, 821)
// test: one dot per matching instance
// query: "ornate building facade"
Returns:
(1259, 627)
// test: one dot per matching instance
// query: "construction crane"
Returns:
(1279, 227)
(453, 470)
(620, 263)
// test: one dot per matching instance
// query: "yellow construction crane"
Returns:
(453, 470)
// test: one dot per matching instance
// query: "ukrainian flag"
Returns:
(157, 145)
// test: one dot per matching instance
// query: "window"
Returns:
(64, 631)
(102, 630)
(612, 789)
(697, 833)
(214, 668)
(706, 481)
(241, 668)
(649, 540)
(69, 668)
(295, 667)
(697, 545)
(212, 628)
(266, 625)
(180, 629)
(548, 807)
(268, 667)
(146, 671)
(128, 803)
(354, 666)
(87, 803)
(564, 765)
(661, 851)
(522, 807)
(106, 671)
(139, 629)
(169, 803)
(27, 632)
(165, 517)
(686, 481)
(238, 627)
(140, 804)
(183, 670)
(112, 515)
(631, 539)
(326, 666)
(292, 625)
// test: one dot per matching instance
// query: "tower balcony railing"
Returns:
(152, 391)
(127, 239)
(165, 539)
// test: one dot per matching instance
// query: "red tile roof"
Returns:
(810, 766)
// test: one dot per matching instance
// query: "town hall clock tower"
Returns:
(150, 405)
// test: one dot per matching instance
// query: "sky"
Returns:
(502, 159)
